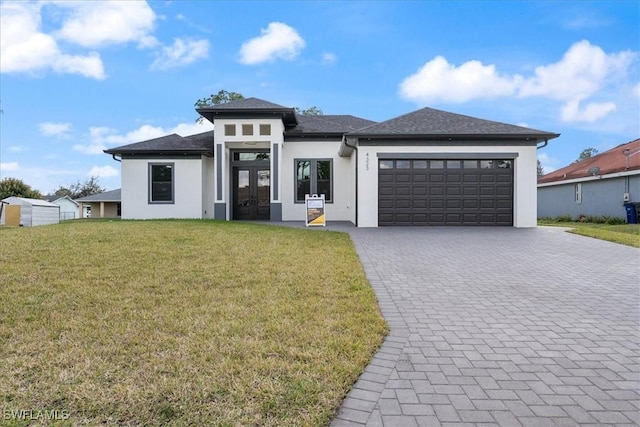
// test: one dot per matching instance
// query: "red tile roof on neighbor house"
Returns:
(616, 160)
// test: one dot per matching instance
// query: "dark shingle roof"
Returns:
(431, 122)
(201, 143)
(246, 104)
(254, 106)
(328, 124)
(107, 196)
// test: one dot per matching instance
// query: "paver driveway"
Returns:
(500, 326)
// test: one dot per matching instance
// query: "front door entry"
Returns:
(251, 193)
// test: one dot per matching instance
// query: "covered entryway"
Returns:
(251, 185)
(445, 192)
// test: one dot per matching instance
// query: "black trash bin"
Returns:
(632, 214)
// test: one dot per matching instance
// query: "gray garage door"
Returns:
(445, 192)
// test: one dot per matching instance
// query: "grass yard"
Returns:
(181, 323)
(625, 234)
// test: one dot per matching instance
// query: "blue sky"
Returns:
(79, 77)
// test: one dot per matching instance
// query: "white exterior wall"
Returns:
(524, 190)
(342, 208)
(188, 201)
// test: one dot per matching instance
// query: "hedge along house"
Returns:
(428, 167)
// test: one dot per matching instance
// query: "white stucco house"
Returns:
(428, 167)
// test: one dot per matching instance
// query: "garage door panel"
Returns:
(419, 190)
(402, 190)
(445, 192)
(419, 203)
(436, 203)
(386, 191)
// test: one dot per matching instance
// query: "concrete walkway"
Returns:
(499, 326)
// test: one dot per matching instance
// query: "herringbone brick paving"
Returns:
(499, 327)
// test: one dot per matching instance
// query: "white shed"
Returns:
(31, 212)
(69, 209)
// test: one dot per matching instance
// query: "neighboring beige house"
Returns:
(101, 205)
(428, 167)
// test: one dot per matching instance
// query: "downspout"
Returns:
(114, 158)
(546, 142)
(355, 148)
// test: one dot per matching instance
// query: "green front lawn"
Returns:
(626, 234)
(182, 323)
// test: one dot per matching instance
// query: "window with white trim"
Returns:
(313, 176)
(577, 191)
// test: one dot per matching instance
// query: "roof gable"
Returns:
(249, 107)
(614, 160)
(107, 196)
(429, 122)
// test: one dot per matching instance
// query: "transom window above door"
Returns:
(250, 156)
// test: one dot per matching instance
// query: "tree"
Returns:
(75, 191)
(540, 169)
(311, 111)
(222, 97)
(15, 187)
(586, 154)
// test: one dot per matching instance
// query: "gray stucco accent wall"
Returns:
(275, 212)
(220, 211)
(601, 197)
(219, 172)
(275, 173)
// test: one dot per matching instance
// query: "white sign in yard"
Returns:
(315, 210)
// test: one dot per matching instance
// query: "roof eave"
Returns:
(458, 137)
(287, 115)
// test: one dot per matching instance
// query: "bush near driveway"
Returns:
(182, 322)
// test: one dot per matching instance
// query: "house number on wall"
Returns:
(366, 161)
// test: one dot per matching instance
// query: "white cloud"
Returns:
(24, 48)
(278, 41)
(100, 138)
(100, 23)
(181, 53)
(584, 71)
(580, 73)
(54, 129)
(103, 171)
(329, 58)
(549, 164)
(9, 167)
(17, 148)
(591, 112)
(440, 80)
